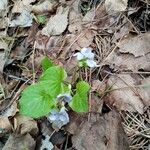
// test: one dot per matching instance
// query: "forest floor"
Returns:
(117, 32)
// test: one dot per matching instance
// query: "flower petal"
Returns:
(79, 56)
(87, 52)
(65, 97)
(91, 63)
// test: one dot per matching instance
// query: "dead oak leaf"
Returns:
(3, 4)
(58, 23)
(116, 6)
(20, 142)
(123, 94)
(144, 91)
(104, 133)
(45, 6)
(122, 62)
(5, 125)
(26, 125)
(20, 5)
(138, 45)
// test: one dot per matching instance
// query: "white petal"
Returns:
(52, 117)
(87, 52)
(80, 56)
(91, 63)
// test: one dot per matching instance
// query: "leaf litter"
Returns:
(120, 43)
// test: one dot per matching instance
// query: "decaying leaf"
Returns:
(24, 20)
(106, 133)
(133, 54)
(5, 125)
(114, 6)
(138, 45)
(98, 17)
(20, 142)
(128, 62)
(11, 111)
(26, 125)
(144, 91)
(21, 5)
(124, 95)
(75, 21)
(3, 4)
(82, 39)
(45, 6)
(46, 144)
(2, 61)
(58, 23)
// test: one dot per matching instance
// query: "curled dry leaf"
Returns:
(20, 142)
(133, 54)
(138, 45)
(3, 4)
(21, 5)
(144, 91)
(5, 125)
(46, 144)
(2, 61)
(127, 62)
(116, 6)
(11, 111)
(26, 125)
(45, 6)
(98, 86)
(24, 20)
(82, 39)
(97, 17)
(58, 23)
(124, 95)
(105, 133)
(75, 21)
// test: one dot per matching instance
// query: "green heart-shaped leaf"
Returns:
(55, 76)
(79, 102)
(36, 100)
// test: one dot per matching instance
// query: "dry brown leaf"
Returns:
(114, 6)
(138, 45)
(21, 5)
(45, 6)
(26, 125)
(144, 91)
(76, 120)
(75, 19)
(98, 86)
(11, 111)
(106, 133)
(5, 125)
(3, 47)
(122, 62)
(75, 22)
(2, 61)
(58, 23)
(3, 4)
(20, 142)
(83, 39)
(97, 17)
(126, 96)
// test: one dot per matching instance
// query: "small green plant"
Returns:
(51, 94)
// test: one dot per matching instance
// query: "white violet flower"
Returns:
(86, 56)
(58, 118)
(66, 97)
